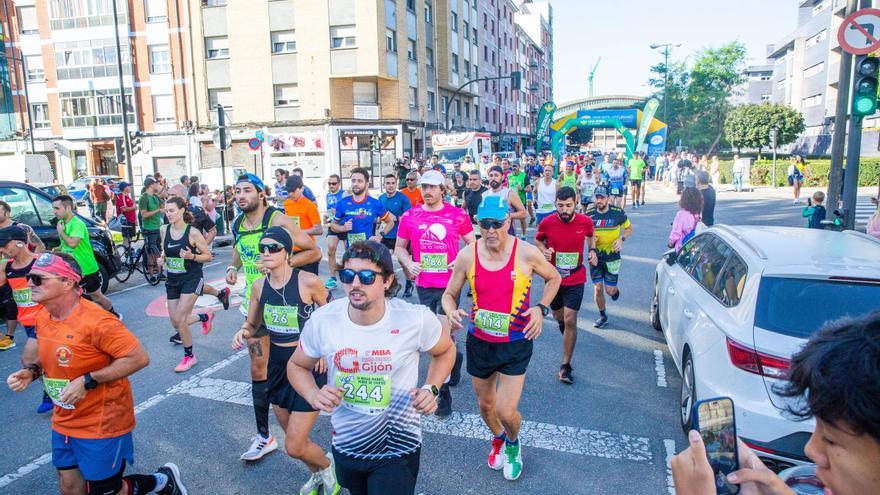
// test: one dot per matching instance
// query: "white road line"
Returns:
(660, 368)
(143, 406)
(641, 259)
(670, 451)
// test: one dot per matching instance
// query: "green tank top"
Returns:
(568, 181)
(247, 243)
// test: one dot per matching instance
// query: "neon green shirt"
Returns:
(636, 167)
(82, 253)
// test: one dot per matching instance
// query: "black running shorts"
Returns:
(508, 358)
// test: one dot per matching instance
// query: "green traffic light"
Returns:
(865, 105)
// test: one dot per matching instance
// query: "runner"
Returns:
(561, 238)
(587, 184)
(7, 341)
(433, 231)
(396, 203)
(509, 196)
(74, 237)
(356, 215)
(184, 251)
(85, 356)
(612, 229)
(247, 229)
(304, 213)
(569, 177)
(501, 325)
(636, 175)
(283, 301)
(412, 190)
(473, 196)
(617, 184)
(519, 182)
(14, 267)
(372, 344)
(334, 194)
(546, 194)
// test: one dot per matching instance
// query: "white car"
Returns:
(735, 303)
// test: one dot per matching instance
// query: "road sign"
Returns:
(859, 33)
(216, 138)
(254, 143)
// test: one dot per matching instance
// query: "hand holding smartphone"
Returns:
(716, 422)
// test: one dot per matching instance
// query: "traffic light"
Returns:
(864, 99)
(516, 80)
(119, 144)
(136, 144)
(374, 142)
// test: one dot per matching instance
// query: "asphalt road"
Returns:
(611, 432)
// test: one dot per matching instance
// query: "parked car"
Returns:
(52, 189)
(735, 303)
(77, 188)
(33, 206)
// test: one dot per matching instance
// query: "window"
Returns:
(286, 95)
(391, 40)
(94, 108)
(814, 70)
(455, 63)
(430, 102)
(30, 209)
(467, 111)
(220, 96)
(812, 101)
(413, 96)
(213, 3)
(283, 41)
(411, 49)
(817, 38)
(467, 69)
(156, 10)
(429, 55)
(824, 4)
(40, 115)
(766, 98)
(163, 108)
(27, 20)
(365, 93)
(476, 112)
(429, 12)
(709, 264)
(35, 71)
(411, 5)
(73, 14)
(467, 30)
(476, 43)
(730, 286)
(691, 250)
(444, 100)
(87, 59)
(216, 47)
(453, 22)
(343, 37)
(160, 60)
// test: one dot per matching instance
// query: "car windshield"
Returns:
(447, 156)
(799, 307)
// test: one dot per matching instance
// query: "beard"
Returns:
(565, 217)
(495, 184)
(356, 191)
(248, 207)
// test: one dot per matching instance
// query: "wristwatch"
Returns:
(90, 383)
(431, 388)
(544, 309)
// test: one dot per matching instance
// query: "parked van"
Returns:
(26, 168)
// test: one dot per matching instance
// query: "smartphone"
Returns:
(714, 419)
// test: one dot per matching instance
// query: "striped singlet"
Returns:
(500, 299)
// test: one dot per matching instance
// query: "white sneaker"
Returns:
(328, 476)
(311, 487)
(259, 448)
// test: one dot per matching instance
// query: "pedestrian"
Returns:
(283, 301)
(815, 211)
(7, 299)
(612, 228)
(686, 222)
(708, 193)
(873, 226)
(372, 343)
(126, 209)
(85, 356)
(715, 170)
(562, 238)
(617, 183)
(247, 230)
(545, 194)
(74, 237)
(332, 198)
(304, 213)
(519, 182)
(99, 199)
(185, 180)
(662, 162)
(281, 176)
(796, 172)
(194, 195)
(473, 196)
(586, 185)
(738, 172)
(357, 215)
(568, 178)
(428, 242)
(502, 324)
(150, 207)
(307, 192)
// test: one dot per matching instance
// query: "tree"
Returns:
(748, 126)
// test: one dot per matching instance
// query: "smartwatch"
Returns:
(544, 309)
(90, 383)
(431, 388)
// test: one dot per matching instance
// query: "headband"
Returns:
(50, 263)
(279, 235)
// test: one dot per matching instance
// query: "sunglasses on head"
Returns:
(37, 280)
(491, 223)
(271, 248)
(367, 277)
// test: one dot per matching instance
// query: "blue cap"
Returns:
(601, 191)
(253, 179)
(494, 207)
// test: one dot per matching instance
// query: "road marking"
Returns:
(670, 452)
(143, 406)
(641, 259)
(660, 368)
(568, 439)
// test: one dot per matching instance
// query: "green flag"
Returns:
(545, 115)
(647, 117)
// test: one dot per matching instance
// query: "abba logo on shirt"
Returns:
(369, 361)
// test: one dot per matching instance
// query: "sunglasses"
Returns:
(333, 183)
(410, 180)
(271, 248)
(491, 223)
(367, 277)
(37, 280)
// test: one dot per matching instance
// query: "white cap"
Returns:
(432, 178)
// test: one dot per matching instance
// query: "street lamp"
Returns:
(665, 47)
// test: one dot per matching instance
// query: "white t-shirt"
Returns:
(587, 187)
(546, 196)
(378, 366)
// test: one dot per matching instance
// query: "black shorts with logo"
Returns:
(568, 296)
(508, 358)
(174, 286)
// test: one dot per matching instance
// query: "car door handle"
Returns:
(671, 290)
(688, 314)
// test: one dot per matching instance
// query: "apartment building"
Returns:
(759, 85)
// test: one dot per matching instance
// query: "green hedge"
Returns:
(869, 172)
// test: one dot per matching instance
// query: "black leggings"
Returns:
(395, 476)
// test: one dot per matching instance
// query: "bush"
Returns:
(817, 172)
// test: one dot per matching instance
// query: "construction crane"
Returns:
(593, 73)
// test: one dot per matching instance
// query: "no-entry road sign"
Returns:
(859, 33)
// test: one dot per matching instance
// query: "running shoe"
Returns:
(259, 448)
(565, 374)
(331, 486)
(207, 325)
(331, 283)
(601, 321)
(175, 339)
(513, 464)
(444, 402)
(7, 342)
(312, 486)
(174, 485)
(496, 460)
(616, 295)
(46, 405)
(223, 296)
(185, 364)
(455, 376)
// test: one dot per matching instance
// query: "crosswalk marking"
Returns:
(864, 210)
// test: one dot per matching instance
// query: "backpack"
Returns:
(267, 219)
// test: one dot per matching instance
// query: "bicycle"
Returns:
(137, 259)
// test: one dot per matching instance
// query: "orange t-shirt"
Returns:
(415, 196)
(87, 340)
(304, 213)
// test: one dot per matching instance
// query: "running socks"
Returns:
(508, 441)
(502, 436)
(188, 351)
(260, 393)
(602, 313)
(203, 317)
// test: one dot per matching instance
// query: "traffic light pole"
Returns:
(125, 135)
(221, 127)
(851, 177)
(457, 91)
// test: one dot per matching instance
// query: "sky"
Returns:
(621, 32)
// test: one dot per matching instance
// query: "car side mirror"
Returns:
(671, 256)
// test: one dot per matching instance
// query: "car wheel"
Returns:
(688, 393)
(655, 310)
(105, 278)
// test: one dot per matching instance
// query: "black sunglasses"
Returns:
(271, 248)
(37, 280)
(491, 223)
(367, 277)
(333, 183)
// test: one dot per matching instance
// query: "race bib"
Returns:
(567, 261)
(613, 267)
(546, 206)
(615, 191)
(364, 393)
(281, 319)
(357, 237)
(54, 387)
(175, 265)
(22, 297)
(492, 323)
(434, 263)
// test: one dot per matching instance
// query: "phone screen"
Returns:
(717, 426)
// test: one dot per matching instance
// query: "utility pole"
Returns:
(666, 47)
(125, 135)
(221, 132)
(774, 135)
